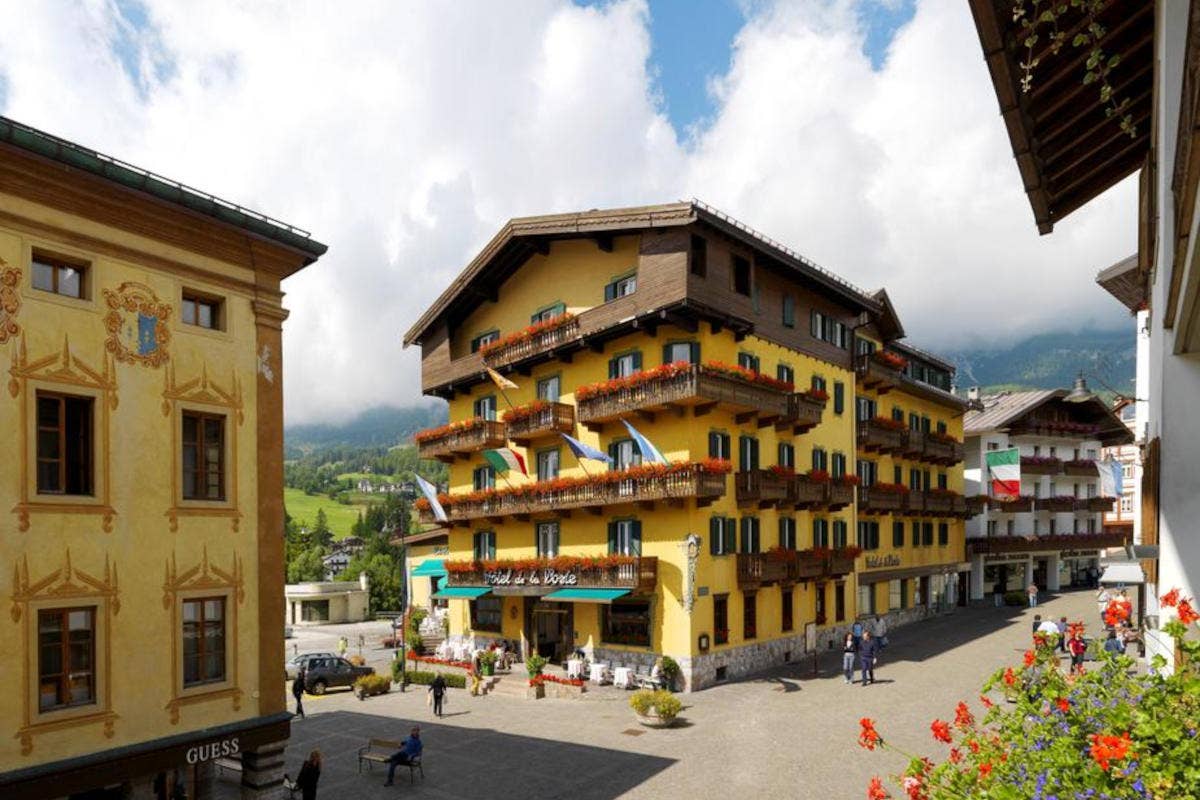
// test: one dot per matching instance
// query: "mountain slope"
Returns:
(381, 426)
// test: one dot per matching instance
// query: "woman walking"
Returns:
(868, 650)
(310, 773)
(849, 653)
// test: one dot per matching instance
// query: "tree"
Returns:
(308, 566)
(321, 533)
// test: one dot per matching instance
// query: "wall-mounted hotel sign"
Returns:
(531, 577)
(890, 560)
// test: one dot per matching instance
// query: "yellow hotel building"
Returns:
(773, 388)
(141, 484)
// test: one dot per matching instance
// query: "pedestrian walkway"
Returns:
(786, 733)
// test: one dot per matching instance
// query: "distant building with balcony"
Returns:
(1052, 534)
(749, 368)
(1124, 516)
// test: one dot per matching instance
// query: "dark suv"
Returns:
(322, 673)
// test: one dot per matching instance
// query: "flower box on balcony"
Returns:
(1080, 468)
(808, 493)
(460, 438)
(941, 448)
(1014, 505)
(1040, 465)
(882, 434)
(764, 569)
(882, 497)
(531, 340)
(914, 444)
(636, 573)
(805, 410)
(539, 419)
(841, 494)
(1099, 504)
(766, 487)
(877, 372)
(1059, 504)
(940, 501)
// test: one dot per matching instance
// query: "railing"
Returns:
(872, 436)
(1015, 506)
(1085, 469)
(695, 384)
(1099, 504)
(1071, 541)
(875, 375)
(678, 485)
(640, 575)
(939, 504)
(840, 495)
(805, 411)
(914, 444)
(804, 492)
(486, 435)
(840, 565)
(960, 508)
(554, 418)
(941, 451)
(1040, 466)
(536, 344)
(872, 500)
(913, 503)
(1057, 504)
(762, 569)
(975, 504)
(762, 486)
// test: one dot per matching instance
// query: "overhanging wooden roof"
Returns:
(1067, 148)
(1124, 281)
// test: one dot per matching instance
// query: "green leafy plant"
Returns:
(535, 664)
(369, 685)
(415, 642)
(655, 702)
(670, 671)
(424, 678)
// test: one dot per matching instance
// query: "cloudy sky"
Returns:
(863, 133)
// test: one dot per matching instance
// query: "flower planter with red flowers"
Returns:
(806, 408)
(775, 566)
(879, 370)
(882, 497)
(1014, 505)
(1080, 468)
(890, 360)
(840, 492)
(941, 448)
(531, 340)
(636, 573)
(1060, 504)
(882, 434)
(805, 492)
(941, 501)
(539, 419)
(1041, 465)
(460, 438)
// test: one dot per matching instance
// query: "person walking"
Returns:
(998, 594)
(849, 653)
(856, 630)
(1037, 621)
(310, 773)
(867, 653)
(879, 631)
(298, 692)
(343, 645)
(1032, 591)
(1103, 598)
(410, 749)
(1078, 648)
(1062, 634)
(437, 688)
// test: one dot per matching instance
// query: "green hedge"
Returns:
(424, 678)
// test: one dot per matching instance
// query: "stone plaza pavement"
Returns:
(785, 734)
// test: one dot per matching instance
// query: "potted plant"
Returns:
(670, 672)
(534, 665)
(487, 662)
(655, 708)
(369, 685)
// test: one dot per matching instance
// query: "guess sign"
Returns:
(210, 750)
(890, 560)
(530, 577)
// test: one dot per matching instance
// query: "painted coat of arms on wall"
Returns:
(10, 301)
(137, 325)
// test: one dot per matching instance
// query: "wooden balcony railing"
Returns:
(548, 421)
(941, 451)
(873, 374)
(1056, 504)
(1080, 469)
(1017, 505)
(873, 501)
(914, 444)
(534, 345)
(698, 387)
(764, 569)
(804, 492)
(975, 504)
(840, 495)
(639, 575)
(691, 482)
(839, 565)
(762, 486)
(913, 503)
(874, 437)
(938, 504)
(1040, 465)
(804, 412)
(1068, 541)
(486, 435)
(1099, 504)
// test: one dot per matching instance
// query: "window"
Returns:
(546, 534)
(818, 382)
(786, 455)
(698, 257)
(916, 534)
(625, 537)
(720, 618)
(914, 479)
(484, 478)
(58, 275)
(624, 365)
(681, 351)
(927, 534)
(839, 397)
(993, 445)
(484, 338)
(820, 459)
(741, 275)
(547, 464)
(839, 601)
(866, 599)
(626, 622)
(789, 311)
(485, 407)
(624, 454)
(895, 593)
(941, 480)
(820, 603)
(864, 409)
(64, 444)
(941, 427)
(867, 472)
(751, 540)
(748, 361)
(904, 593)
(718, 445)
(486, 613)
(991, 527)
(943, 533)
(620, 287)
(201, 311)
(786, 374)
(827, 329)
(868, 535)
(66, 657)
(747, 453)
(550, 389)
(925, 422)
(203, 456)
(863, 347)
(547, 313)
(785, 598)
(897, 474)
(485, 546)
(1008, 528)
(897, 534)
(1126, 503)
(749, 615)
(839, 465)
(721, 533)
(820, 533)
(787, 533)
(898, 416)
(1091, 525)
(203, 640)
(840, 532)
(914, 422)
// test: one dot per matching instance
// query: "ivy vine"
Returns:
(1040, 19)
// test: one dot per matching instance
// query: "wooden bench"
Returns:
(379, 751)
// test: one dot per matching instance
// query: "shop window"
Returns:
(722, 533)
(787, 533)
(839, 602)
(866, 599)
(66, 277)
(66, 657)
(787, 609)
(314, 611)
(547, 536)
(202, 311)
(749, 615)
(486, 613)
(626, 622)
(895, 592)
(550, 389)
(203, 640)
(625, 537)
(698, 257)
(720, 619)
(485, 546)
(485, 407)
(688, 352)
(203, 455)
(620, 287)
(486, 337)
(751, 540)
(65, 444)
(904, 593)
(719, 445)
(624, 365)
(741, 275)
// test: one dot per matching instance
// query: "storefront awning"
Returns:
(587, 595)
(430, 568)
(1123, 573)
(461, 592)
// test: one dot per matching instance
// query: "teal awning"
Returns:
(587, 595)
(430, 568)
(461, 592)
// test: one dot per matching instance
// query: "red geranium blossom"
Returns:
(985, 769)
(1171, 598)
(986, 703)
(869, 737)
(962, 716)
(875, 790)
(941, 730)
(1063, 705)
(1187, 615)
(915, 788)
(1009, 677)
(955, 755)
(1109, 748)
(1030, 657)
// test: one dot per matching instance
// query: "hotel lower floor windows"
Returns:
(66, 657)
(486, 614)
(749, 615)
(866, 598)
(203, 640)
(626, 622)
(720, 618)
(839, 602)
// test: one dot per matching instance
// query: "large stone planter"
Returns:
(563, 691)
(655, 721)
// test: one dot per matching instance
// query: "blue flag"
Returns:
(582, 450)
(650, 453)
(430, 493)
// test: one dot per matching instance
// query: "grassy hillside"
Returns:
(303, 508)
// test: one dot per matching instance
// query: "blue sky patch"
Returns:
(881, 20)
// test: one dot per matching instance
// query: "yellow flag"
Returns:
(500, 380)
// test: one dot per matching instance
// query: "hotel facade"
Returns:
(141, 490)
(814, 460)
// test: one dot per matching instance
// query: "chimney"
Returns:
(973, 393)
(364, 582)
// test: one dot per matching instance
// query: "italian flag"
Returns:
(1004, 470)
(505, 460)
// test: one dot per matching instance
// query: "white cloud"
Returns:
(403, 136)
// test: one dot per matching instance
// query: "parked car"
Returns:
(323, 673)
(293, 665)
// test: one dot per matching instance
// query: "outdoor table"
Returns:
(599, 672)
(574, 668)
(622, 677)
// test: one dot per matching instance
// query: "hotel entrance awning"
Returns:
(462, 592)
(430, 568)
(587, 595)
(1123, 573)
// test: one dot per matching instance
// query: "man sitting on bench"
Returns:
(410, 750)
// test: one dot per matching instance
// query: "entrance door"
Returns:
(553, 637)
(964, 588)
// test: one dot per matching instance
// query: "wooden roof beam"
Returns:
(1143, 15)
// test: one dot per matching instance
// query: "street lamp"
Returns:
(1081, 394)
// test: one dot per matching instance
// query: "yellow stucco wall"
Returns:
(140, 563)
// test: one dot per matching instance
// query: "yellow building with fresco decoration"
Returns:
(746, 367)
(141, 487)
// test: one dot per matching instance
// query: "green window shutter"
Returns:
(610, 291)
(612, 368)
(714, 444)
(730, 535)
(839, 397)
(612, 538)
(695, 348)
(635, 543)
(714, 536)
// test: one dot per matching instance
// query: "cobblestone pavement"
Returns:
(785, 734)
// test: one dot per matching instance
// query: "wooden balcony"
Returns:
(877, 438)
(840, 495)
(762, 487)
(1102, 505)
(804, 413)
(838, 566)
(975, 504)
(551, 420)
(592, 495)
(1060, 541)
(535, 345)
(942, 451)
(874, 374)
(938, 504)
(1040, 466)
(698, 388)
(1055, 504)
(960, 507)
(639, 575)
(482, 435)
(765, 569)
(1080, 469)
(913, 503)
(873, 501)
(914, 444)
(804, 492)
(1017, 505)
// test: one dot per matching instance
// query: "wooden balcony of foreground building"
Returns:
(840, 495)
(975, 505)
(1060, 541)
(881, 435)
(677, 388)
(638, 574)
(460, 439)
(914, 445)
(940, 449)
(531, 343)
(882, 498)
(762, 487)
(938, 503)
(539, 420)
(644, 486)
(880, 370)
(784, 567)
(805, 410)
(1098, 504)
(805, 492)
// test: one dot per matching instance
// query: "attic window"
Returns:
(741, 276)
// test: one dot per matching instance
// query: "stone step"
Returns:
(509, 685)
